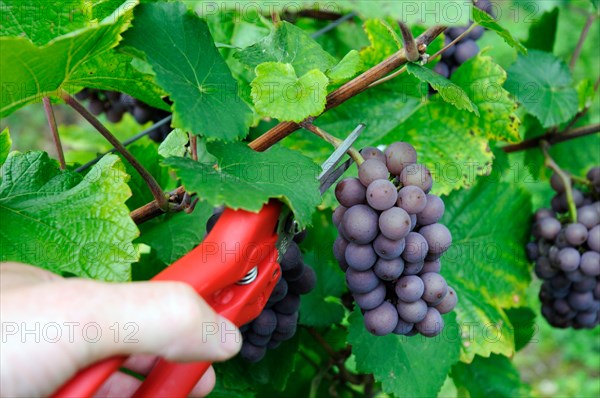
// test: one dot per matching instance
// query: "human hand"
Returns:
(52, 327)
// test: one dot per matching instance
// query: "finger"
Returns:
(141, 363)
(205, 385)
(167, 319)
(118, 385)
(17, 275)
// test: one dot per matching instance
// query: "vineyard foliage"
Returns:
(231, 73)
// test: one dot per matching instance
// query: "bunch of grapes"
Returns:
(465, 49)
(115, 105)
(567, 255)
(390, 243)
(279, 319)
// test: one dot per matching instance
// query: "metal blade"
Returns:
(329, 165)
(334, 175)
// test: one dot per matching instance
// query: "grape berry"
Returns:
(279, 319)
(390, 243)
(567, 256)
(115, 105)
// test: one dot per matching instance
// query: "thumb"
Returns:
(62, 326)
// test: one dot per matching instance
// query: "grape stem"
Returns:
(194, 146)
(157, 192)
(336, 142)
(553, 138)
(437, 54)
(584, 33)
(564, 177)
(54, 129)
(410, 46)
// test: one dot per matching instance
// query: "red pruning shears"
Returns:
(237, 287)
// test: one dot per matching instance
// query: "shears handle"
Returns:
(238, 242)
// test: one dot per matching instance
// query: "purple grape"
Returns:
(593, 240)
(381, 194)
(350, 192)
(588, 216)
(286, 324)
(586, 285)
(412, 312)
(372, 299)
(433, 211)
(448, 302)
(416, 248)
(435, 288)
(338, 214)
(576, 234)
(438, 238)
(279, 291)
(476, 33)
(371, 170)
(580, 301)
(432, 266)
(361, 281)
(412, 199)
(587, 319)
(590, 263)
(394, 223)
(398, 155)
(465, 50)
(387, 248)
(252, 353)
(442, 69)
(288, 305)
(291, 258)
(389, 270)
(413, 268)
(373, 153)
(403, 328)
(360, 257)
(257, 339)
(547, 228)
(568, 259)
(543, 213)
(339, 250)
(305, 283)
(360, 223)
(409, 288)
(557, 184)
(432, 324)
(381, 320)
(417, 175)
(265, 323)
(543, 269)
(532, 251)
(271, 345)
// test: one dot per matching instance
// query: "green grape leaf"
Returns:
(277, 173)
(405, 366)
(542, 32)
(42, 21)
(114, 71)
(322, 307)
(174, 144)
(486, 263)
(385, 40)
(173, 235)
(272, 371)
(495, 376)
(197, 79)
(542, 83)
(5, 145)
(482, 78)
(523, 321)
(487, 21)
(449, 91)
(277, 92)
(349, 66)
(30, 72)
(63, 222)
(288, 44)
(451, 12)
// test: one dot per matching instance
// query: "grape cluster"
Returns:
(567, 256)
(279, 319)
(115, 105)
(390, 243)
(465, 49)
